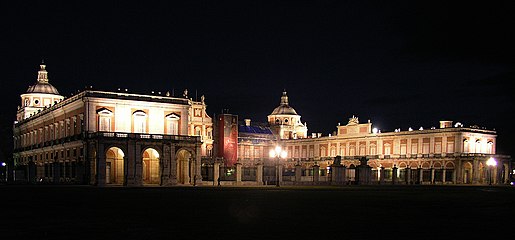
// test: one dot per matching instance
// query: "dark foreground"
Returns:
(350, 212)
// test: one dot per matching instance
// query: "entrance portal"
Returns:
(114, 166)
(183, 166)
(151, 173)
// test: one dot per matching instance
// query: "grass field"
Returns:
(349, 212)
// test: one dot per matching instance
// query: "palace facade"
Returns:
(450, 154)
(102, 138)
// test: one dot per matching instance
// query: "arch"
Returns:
(449, 165)
(151, 166)
(426, 165)
(413, 164)
(115, 173)
(402, 165)
(467, 172)
(437, 165)
(184, 166)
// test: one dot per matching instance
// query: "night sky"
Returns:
(400, 64)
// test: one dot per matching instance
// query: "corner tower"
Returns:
(285, 122)
(38, 96)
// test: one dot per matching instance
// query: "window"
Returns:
(333, 151)
(140, 121)
(373, 149)
(450, 147)
(209, 152)
(362, 149)
(172, 124)
(387, 149)
(104, 120)
(403, 149)
(438, 147)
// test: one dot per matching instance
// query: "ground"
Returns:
(348, 212)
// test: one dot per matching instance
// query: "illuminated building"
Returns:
(101, 137)
(445, 155)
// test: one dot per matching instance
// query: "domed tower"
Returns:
(285, 122)
(38, 96)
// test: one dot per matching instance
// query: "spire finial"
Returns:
(42, 73)
(284, 98)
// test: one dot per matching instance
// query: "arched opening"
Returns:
(467, 173)
(151, 174)
(183, 166)
(114, 166)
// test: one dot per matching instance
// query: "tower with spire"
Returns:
(38, 96)
(285, 122)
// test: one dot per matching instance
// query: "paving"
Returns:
(286, 212)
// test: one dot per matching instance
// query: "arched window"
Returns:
(466, 145)
(333, 151)
(140, 121)
(387, 149)
(172, 124)
(372, 149)
(362, 150)
(490, 147)
(104, 119)
(478, 146)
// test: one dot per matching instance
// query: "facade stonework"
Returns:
(100, 138)
(121, 138)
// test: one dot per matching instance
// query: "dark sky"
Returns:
(398, 63)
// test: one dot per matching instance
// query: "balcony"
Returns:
(119, 135)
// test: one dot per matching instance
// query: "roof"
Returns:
(254, 129)
(284, 108)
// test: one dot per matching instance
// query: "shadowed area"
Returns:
(352, 212)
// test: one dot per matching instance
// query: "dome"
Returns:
(43, 88)
(284, 108)
(42, 85)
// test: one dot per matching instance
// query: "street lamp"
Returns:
(491, 164)
(278, 153)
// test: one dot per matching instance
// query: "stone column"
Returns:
(298, 173)
(101, 165)
(198, 165)
(498, 173)
(316, 174)
(238, 173)
(216, 172)
(381, 175)
(408, 175)
(432, 176)
(138, 165)
(458, 176)
(173, 164)
(92, 163)
(130, 163)
(337, 176)
(475, 171)
(280, 169)
(443, 176)
(420, 175)
(259, 174)
(394, 174)
(344, 175)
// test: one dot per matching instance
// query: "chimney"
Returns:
(247, 122)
